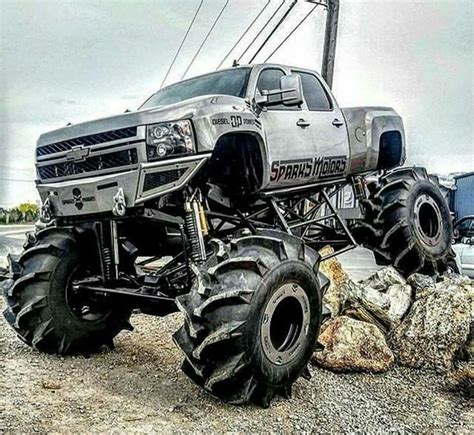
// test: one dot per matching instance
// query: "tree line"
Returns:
(24, 213)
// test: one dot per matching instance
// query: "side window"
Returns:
(269, 79)
(466, 228)
(314, 93)
(470, 229)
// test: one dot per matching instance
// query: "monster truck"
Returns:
(213, 199)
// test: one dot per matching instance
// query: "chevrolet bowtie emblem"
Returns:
(77, 153)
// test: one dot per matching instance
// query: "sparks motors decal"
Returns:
(318, 167)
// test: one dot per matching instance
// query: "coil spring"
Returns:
(107, 259)
(106, 253)
(192, 230)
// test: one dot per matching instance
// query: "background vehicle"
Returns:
(464, 261)
(228, 179)
(463, 228)
(464, 246)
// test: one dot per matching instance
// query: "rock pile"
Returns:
(420, 322)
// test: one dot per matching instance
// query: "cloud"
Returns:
(62, 101)
(72, 61)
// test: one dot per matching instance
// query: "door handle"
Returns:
(337, 123)
(302, 123)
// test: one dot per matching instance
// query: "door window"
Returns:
(314, 93)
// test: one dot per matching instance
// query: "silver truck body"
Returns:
(81, 167)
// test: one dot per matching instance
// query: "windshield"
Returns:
(229, 82)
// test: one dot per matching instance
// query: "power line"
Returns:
(182, 43)
(243, 34)
(261, 30)
(274, 30)
(205, 39)
(291, 33)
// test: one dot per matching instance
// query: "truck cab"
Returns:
(253, 128)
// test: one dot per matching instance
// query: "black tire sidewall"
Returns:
(440, 249)
(63, 317)
(291, 271)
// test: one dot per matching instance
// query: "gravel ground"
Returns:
(139, 387)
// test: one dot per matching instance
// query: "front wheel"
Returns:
(251, 320)
(43, 308)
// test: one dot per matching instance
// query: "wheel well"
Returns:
(390, 149)
(237, 162)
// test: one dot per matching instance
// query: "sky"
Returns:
(70, 61)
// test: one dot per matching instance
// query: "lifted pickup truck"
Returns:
(228, 179)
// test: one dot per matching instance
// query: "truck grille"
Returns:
(90, 140)
(102, 162)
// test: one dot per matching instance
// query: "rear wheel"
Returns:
(251, 319)
(43, 308)
(408, 223)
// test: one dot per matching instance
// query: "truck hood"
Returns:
(184, 110)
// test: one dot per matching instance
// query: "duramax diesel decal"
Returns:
(235, 121)
(318, 167)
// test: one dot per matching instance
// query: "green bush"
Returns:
(24, 213)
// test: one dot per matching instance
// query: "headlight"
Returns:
(169, 139)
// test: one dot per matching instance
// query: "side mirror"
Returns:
(289, 94)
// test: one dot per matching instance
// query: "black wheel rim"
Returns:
(428, 222)
(285, 323)
(85, 306)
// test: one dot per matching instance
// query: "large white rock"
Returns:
(388, 306)
(400, 296)
(333, 298)
(383, 279)
(422, 285)
(352, 345)
(437, 327)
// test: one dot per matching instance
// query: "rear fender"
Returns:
(376, 138)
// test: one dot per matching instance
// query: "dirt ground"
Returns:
(139, 387)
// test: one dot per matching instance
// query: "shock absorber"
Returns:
(107, 238)
(103, 239)
(196, 228)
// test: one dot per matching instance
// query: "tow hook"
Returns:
(46, 212)
(120, 205)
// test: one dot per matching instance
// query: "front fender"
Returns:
(224, 115)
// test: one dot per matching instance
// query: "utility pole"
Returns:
(330, 38)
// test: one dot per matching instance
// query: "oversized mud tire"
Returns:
(41, 308)
(408, 223)
(252, 318)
